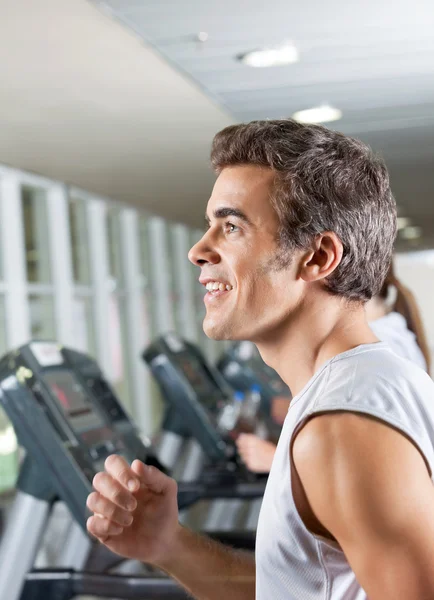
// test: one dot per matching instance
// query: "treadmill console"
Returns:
(67, 418)
(194, 390)
(243, 367)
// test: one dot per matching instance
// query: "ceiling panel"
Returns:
(373, 60)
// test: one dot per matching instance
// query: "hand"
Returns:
(135, 510)
(257, 454)
(279, 408)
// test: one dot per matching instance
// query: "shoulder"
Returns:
(376, 377)
(350, 465)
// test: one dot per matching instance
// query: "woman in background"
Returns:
(395, 318)
(398, 322)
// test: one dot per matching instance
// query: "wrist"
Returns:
(173, 549)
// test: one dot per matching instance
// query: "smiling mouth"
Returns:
(217, 286)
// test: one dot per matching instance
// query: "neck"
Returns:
(376, 308)
(317, 333)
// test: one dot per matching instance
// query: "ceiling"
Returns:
(373, 59)
(84, 101)
(120, 98)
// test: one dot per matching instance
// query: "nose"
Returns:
(203, 253)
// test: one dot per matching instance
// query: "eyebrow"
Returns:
(222, 213)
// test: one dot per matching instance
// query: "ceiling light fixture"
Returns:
(276, 56)
(411, 233)
(319, 114)
(403, 222)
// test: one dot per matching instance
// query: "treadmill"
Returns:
(242, 367)
(68, 420)
(199, 400)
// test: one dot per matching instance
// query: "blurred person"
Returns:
(398, 323)
(302, 223)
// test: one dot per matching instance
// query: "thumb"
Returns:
(152, 478)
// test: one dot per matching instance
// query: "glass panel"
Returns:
(199, 293)
(79, 241)
(8, 454)
(84, 328)
(42, 319)
(1, 246)
(114, 245)
(145, 268)
(3, 342)
(118, 345)
(35, 216)
(175, 296)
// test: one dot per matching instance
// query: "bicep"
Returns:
(369, 486)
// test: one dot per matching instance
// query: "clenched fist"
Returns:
(135, 510)
(256, 453)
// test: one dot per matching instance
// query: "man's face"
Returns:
(238, 255)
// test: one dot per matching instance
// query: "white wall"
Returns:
(416, 270)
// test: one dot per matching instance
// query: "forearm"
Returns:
(209, 570)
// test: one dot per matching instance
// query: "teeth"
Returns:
(214, 286)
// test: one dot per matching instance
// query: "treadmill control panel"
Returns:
(67, 417)
(243, 367)
(194, 391)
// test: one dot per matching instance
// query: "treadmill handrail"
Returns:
(69, 584)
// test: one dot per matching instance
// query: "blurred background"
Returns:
(107, 112)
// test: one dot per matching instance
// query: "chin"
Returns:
(215, 333)
(222, 331)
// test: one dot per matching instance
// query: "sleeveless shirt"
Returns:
(291, 562)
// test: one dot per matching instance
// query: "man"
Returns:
(301, 228)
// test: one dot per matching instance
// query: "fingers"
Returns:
(120, 470)
(101, 506)
(102, 528)
(153, 479)
(246, 440)
(112, 490)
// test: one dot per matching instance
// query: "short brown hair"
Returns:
(325, 181)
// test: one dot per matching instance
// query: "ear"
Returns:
(323, 258)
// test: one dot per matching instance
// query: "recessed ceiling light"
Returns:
(318, 114)
(403, 222)
(411, 233)
(286, 54)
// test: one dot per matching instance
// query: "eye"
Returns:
(230, 227)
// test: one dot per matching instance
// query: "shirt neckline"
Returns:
(341, 356)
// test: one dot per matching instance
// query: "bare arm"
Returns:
(209, 570)
(142, 523)
(370, 488)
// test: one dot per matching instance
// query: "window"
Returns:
(79, 241)
(174, 282)
(118, 333)
(35, 216)
(146, 278)
(42, 320)
(38, 270)
(84, 325)
(83, 313)
(8, 441)
(199, 293)
(3, 342)
(8, 454)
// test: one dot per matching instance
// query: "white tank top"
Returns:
(291, 562)
(392, 328)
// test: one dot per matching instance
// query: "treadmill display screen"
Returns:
(68, 391)
(84, 419)
(198, 379)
